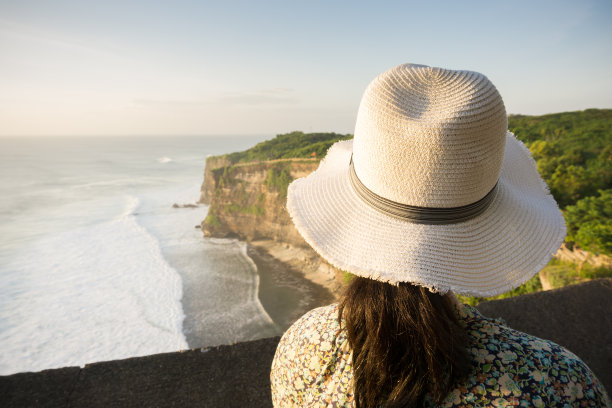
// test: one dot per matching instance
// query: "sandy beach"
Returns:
(286, 290)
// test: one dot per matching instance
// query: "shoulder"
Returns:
(320, 320)
(313, 332)
(306, 349)
(517, 367)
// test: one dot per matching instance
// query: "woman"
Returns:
(433, 196)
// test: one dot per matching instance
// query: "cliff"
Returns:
(247, 201)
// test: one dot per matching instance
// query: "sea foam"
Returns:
(124, 300)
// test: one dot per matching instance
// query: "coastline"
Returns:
(230, 312)
(289, 285)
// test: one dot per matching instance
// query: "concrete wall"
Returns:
(578, 317)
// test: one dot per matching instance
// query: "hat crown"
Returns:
(430, 137)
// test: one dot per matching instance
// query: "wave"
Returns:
(255, 297)
(96, 293)
(131, 205)
(164, 160)
(221, 283)
(221, 300)
(121, 182)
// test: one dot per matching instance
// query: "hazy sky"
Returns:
(108, 67)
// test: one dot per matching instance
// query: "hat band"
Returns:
(419, 215)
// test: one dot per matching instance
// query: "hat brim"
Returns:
(488, 255)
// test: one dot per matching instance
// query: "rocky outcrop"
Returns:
(581, 257)
(247, 201)
(210, 183)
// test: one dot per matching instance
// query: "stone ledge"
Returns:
(225, 376)
(578, 317)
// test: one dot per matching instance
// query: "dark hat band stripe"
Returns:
(419, 215)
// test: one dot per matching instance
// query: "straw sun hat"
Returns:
(432, 190)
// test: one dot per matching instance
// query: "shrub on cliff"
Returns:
(573, 150)
(289, 145)
(589, 223)
(532, 285)
(278, 179)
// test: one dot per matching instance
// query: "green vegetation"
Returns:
(212, 220)
(242, 202)
(289, 145)
(347, 276)
(222, 175)
(532, 285)
(589, 222)
(248, 209)
(279, 178)
(559, 273)
(590, 272)
(573, 151)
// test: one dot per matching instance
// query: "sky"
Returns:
(94, 68)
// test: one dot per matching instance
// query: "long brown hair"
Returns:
(407, 343)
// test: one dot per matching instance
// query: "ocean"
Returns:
(94, 259)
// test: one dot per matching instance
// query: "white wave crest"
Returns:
(96, 293)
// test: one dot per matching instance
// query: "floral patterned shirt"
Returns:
(312, 367)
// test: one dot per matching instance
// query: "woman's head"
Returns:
(433, 190)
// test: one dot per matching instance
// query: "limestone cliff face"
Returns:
(209, 184)
(247, 200)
